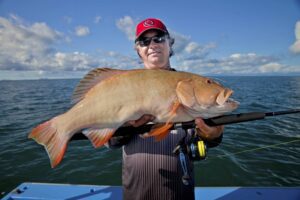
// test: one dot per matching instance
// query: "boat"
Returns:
(51, 191)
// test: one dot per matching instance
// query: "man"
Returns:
(150, 169)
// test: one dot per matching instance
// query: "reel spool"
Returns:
(197, 150)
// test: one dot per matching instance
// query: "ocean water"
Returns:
(257, 153)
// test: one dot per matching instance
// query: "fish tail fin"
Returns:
(54, 142)
(99, 137)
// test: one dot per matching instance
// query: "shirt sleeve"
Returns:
(121, 137)
(215, 142)
(118, 141)
(210, 143)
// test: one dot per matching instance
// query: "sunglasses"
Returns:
(143, 42)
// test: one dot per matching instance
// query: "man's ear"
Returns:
(172, 40)
(137, 50)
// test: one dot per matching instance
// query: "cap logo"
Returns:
(148, 23)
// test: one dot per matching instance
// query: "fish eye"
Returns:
(208, 81)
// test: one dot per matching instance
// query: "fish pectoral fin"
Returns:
(175, 106)
(94, 77)
(160, 131)
(185, 93)
(99, 137)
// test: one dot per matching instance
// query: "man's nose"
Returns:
(152, 43)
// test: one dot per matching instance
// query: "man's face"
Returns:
(155, 54)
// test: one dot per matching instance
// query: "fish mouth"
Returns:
(223, 96)
(231, 103)
(223, 99)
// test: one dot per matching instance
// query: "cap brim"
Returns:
(151, 28)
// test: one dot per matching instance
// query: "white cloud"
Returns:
(75, 61)
(295, 48)
(240, 64)
(278, 68)
(270, 67)
(27, 47)
(97, 19)
(44, 31)
(32, 47)
(127, 26)
(195, 57)
(181, 42)
(248, 59)
(79, 61)
(191, 47)
(30, 75)
(189, 53)
(81, 31)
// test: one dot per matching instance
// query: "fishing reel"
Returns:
(196, 149)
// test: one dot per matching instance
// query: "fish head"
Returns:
(212, 98)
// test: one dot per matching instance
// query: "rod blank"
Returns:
(215, 121)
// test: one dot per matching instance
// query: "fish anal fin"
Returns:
(91, 79)
(185, 93)
(54, 142)
(99, 137)
(160, 131)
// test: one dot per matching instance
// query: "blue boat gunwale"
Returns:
(34, 190)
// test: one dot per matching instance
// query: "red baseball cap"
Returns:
(148, 24)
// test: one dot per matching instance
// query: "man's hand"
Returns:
(208, 132)
(203, 130)
(143, 120)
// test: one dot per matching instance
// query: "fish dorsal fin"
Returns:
(91, 79)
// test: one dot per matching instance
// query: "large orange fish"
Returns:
(107, 98)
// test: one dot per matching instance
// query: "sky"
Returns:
(67, 38)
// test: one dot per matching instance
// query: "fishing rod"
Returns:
(196, 149)
(241, 117)
(215, 121)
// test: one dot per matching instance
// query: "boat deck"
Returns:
(30, 191)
